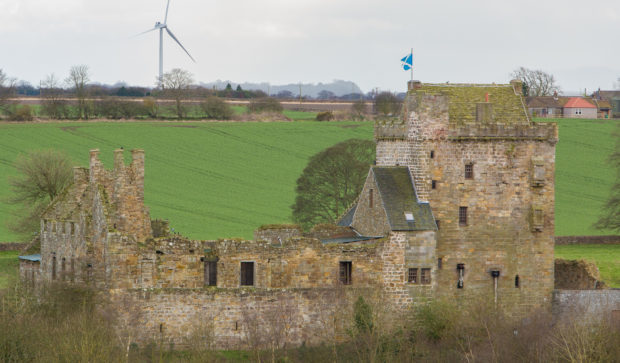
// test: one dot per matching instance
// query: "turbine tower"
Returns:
(161, 27)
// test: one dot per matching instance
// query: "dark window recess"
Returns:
(247, 273)
(517, 281)
(63, 272)
(345, 272)
(54, 268)
(463, 216)
(461, 270)
(412, 276)
(433, 184)
(211, 273)
(72, 269)
(469, 171)
(437, 222)
(425, 276)
(432, 154)
(370, 197)
(159, 252)
(439, 263)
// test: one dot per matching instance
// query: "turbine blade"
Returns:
(150, 30)
(166, 17)
(179, 43)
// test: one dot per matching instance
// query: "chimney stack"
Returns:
(517, 85)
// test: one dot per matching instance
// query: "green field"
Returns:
(582, 176)
(606, 257)
(8, 267)
(218, 179)
(210, 179)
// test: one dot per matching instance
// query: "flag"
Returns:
(407, 61)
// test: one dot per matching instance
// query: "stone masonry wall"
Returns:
(241, 318)
(370, 220)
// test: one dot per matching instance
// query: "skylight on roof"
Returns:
(409, 216)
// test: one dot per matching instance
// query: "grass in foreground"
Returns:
(9, 266)
(606, 257)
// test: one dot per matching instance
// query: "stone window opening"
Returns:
(433, 184)
(159, 252)
(72, 269)
(439, 263)
(247, 273)
(469, 171)
(412, 276)
(432, 154)
(370, 198)
(62, 269)
(210, 273)
(462, 216)
(54, 268)
(345, 272)
(425, 276)
(517, 285)
(460, 267)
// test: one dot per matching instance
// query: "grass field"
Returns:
(8, 267)
(582, 176)
(606, 257)
(210, 179)
(216, 179)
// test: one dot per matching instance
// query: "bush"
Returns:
(358, 109)
(216, 108)
(266, 104)
(20, 113)
(325, 116)
(388, 104)
(151, 107)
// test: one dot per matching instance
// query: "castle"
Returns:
(460, 204)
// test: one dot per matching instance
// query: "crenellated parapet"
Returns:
(481, 132)
(391, 130)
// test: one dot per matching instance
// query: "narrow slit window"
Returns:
(62, 269)
(469, 171)
(247, 273)
(345, 272)
(432, 154)
(54, 268)
(210, 273)
(463, 216)
(517, 282)
(425, 276)
(439, 263)
(434, 184)
(371, 197)
(412, 276)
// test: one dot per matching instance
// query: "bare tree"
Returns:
(51, 92)
(176, 84)
(536, 82)
(42, 175)
(7, 89)
(610, 213)
(78, 79)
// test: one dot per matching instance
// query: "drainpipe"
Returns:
(495, 274)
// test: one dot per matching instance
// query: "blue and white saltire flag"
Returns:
(407, 61)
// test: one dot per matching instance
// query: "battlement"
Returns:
(536, 131)
(391, 130)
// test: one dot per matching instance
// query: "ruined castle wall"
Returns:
(304, 263)
(277, 234)
(62, 246)
(242, 318)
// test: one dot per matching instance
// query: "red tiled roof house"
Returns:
(577, 107)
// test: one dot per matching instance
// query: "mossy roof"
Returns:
(398, 194)
(508, 108)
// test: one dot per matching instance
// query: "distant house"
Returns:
(577, 107)
(546, 106)
(604, 108)
(613, 97)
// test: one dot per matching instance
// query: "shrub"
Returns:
(266, 104)
(151, 107)
(20, 113)
(358, 109)
(325, 116)
(216, 108)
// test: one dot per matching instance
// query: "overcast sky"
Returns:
(289, 41)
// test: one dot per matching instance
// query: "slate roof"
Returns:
(398, 194)
(508, 108)
(33, 258)
(546, 102)
(578, 102)
(347, 218)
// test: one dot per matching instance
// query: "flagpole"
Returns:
(411, 64)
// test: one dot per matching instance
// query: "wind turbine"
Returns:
(161, 27)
